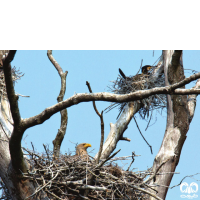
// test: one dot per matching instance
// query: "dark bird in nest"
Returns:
(127, 84)
(146, 69)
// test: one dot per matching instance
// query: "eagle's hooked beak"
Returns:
(87, 145)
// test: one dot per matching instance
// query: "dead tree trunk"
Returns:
(117, 129)
(17, 186)
(180, 110)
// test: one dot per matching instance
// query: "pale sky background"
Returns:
(42, 83)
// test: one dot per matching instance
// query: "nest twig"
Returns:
(5, 195)
(65, 178)
(140, 82)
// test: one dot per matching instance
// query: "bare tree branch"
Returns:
(94, 105)
(143, 136)
(155, 172)
(102, 125)
(40, 188)
(91, 176)
(177, 122)
(114, 154)
(186, 91)
(104, 96)
(117, 129)
(15, 140)
(47, 113)
(190, 176)
(64, 117)
(17, 164)
(149, 193)
(192, 101)
(86, 187)
(13, 98)
(54, 62)
(175, 135)
(102, 138)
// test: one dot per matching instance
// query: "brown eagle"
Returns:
(81, 152)
(81, 149)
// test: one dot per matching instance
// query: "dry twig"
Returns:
(102, 124)
(64, 116)
(65, 178)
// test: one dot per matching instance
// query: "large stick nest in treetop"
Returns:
(140, 82)
(68, 177)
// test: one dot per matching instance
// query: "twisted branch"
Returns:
(104, 96)
(102, 125)
(64, 117)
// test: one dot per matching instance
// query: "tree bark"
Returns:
(117, 129)
(178, 120)
(18, 187)
(105, 96)
(64, 116)
(181, 111)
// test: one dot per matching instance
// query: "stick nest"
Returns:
(140, 82)
(69, 178)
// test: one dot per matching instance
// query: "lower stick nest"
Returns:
(68, 178)
(140, 82)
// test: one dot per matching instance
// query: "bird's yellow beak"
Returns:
(148, 68)
(87, 145)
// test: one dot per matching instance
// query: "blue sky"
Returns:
(42, 83)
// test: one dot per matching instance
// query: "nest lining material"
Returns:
(68, 177)
(140, 82)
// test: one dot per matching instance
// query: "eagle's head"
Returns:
(81, 149)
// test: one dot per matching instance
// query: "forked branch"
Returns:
(104, 96)
(18, 131)
(102, 125)
(64, 117)
(13, 98)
